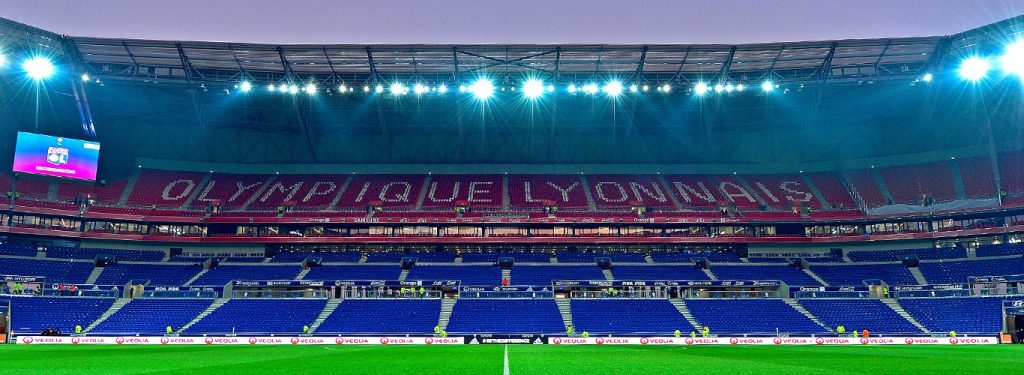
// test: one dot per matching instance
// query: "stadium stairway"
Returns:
(608, 274)
(95, 274)
(128, 188)
(565, 308)
(668, 187)
(815, 276)
(197, 276)
(259, 191)
(209, 310)
(895, 306)
(114, 308)
(506, 274)
(506, 198)
(796, 306)
(707, 271)
(916, 271)
(591, 206)
(648, 259)
(337, 197)
(403, 275)
(301, 275)
(681, 306)
(447, 304)
(332, 304)
(199, 188)
(814, 190)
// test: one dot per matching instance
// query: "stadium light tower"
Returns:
(482, 89)
(38, 68)
(533, 88)
(701, 88)
(974, 69)
(613, 88)
(1012, 60)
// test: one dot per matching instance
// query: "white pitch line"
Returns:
(506, 361)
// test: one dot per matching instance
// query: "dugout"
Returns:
(1013, 322)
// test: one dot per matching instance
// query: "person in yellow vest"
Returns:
(423, 291)
(952, 333)
(170, 330)
(444, 333)
(78, 329)
(437, 330)
(677, 333)
(706, 332)
(403, 291)
(854, 333)
(841, 330)
(586, 334)
(570, 330)
(305, 330)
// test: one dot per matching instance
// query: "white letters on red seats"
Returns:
(657, 194)
(564, 191)
(736, 191)
(315, 191)
(767, 194)
(279, 187)
(189, 185)
(685, 190)
(242, 188)
(790, 186)
(603, 197)
(433, 189)
(475, 188)
(401, 197)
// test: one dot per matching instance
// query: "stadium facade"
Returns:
(374, 194)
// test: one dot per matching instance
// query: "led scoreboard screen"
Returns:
(56, 156)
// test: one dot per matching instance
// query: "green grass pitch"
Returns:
(522, 359)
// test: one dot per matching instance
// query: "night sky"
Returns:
(502, 21)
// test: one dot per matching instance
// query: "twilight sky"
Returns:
(508, 21)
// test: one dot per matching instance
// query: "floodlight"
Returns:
(482, 88)
(645, 88)
(3, 59)
(1012, 60)
(572, 89)
(342, 89)
(245, 86)
(397, 89)
(927, 77)
(379, 89)
(292, 89)
(613, 88)
(85, 77)
(442, 89)
(633, 88)
(590, 88)
(666, 88)
(974, 68)
(533, 88)
(419, 89)
(767, 86)
(271, 87)
(310, 89)
(38, 68)
(740, 87)
(701, 88)
(719, 88)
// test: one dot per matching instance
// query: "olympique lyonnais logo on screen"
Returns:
(57, 155)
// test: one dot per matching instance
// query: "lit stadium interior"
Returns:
(744, 208)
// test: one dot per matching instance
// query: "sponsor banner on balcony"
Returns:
(773, 341)
(237, 340)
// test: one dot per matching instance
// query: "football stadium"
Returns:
(822, 206)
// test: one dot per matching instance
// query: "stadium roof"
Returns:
(193, 62)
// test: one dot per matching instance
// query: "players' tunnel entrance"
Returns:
(1013, 313)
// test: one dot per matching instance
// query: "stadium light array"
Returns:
(974, 69)
(419, 89)
(482, 89)
(442, 89)
(590, 89)
(1012, 60)
(310, 89)
(38, 68)
(613, 88)
(292, 89)
(245, 86)
(397, 89)
(533, 88)
(767, 86)
(701, 88)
